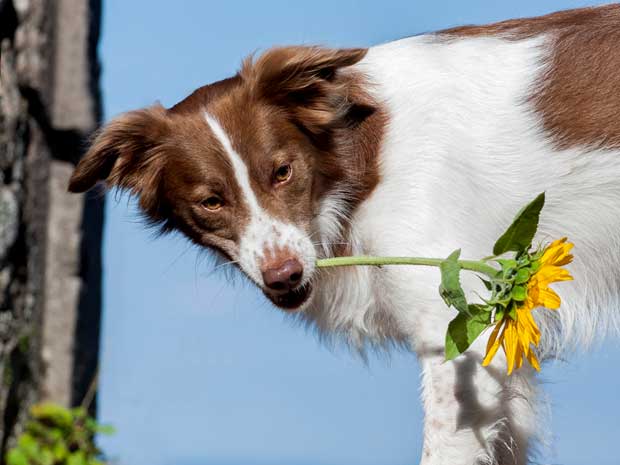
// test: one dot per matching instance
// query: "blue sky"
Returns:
(197, 370)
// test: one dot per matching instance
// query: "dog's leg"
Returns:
(475, 415)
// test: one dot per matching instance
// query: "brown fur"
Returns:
(578, 95)
(297, 106)
(128, 153)
(302, 81)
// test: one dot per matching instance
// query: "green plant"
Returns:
(518, 284)
(56, 435)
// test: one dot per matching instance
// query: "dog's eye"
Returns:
(283, 173)
(213, 203)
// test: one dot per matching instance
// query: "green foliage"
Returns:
(508, 287)
(58, 436)
(450, 288)
(518, 293)
(522, 276)
(465, 328)
(506, 278)
(518, 237)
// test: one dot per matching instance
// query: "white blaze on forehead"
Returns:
(239, 167)
(264, 234)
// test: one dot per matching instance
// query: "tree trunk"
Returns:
(50, 264)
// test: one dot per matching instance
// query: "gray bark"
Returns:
(50, 262)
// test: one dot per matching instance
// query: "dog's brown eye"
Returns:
(283, 173)
(213, 203)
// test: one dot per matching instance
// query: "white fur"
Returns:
(264, 234)
(462, 153)
(331, 219)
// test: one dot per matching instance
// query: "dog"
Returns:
(411, 148)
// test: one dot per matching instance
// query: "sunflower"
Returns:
(519, 332)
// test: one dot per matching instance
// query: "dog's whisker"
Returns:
(220, 266)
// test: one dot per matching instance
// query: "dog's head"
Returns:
(251, 166)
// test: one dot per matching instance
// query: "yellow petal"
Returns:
(557, 253)
(519, 356)
(529, 302)
(550, 274)
(493, 344)
(525, 335)
(531, 357)
(552, 249)
(565, 260)
(529, 326)
(519, 336)
(510, 344)
(548, 298)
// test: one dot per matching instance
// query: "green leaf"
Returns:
(79, 412)
(52, 412)
(512, 311)
(450, 288)
(29, 446)
(77, 458)
(507, 263)
(522, 276)
(502, 303)
(60, 451)
(519, 293)
(90, 424)
(524, 260)
(106, 429)
(464, 329)
(519, 235)
(43, 432)
(16, 457)
(46, 457)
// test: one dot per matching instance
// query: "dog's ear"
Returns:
(127, 153)
(305, 81)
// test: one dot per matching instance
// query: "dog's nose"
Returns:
(283, 277)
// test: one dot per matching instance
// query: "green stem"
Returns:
(363, 260)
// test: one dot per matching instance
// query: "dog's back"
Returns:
(481, 119)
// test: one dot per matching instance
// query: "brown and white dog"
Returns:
(415, 147)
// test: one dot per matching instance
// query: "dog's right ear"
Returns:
(127, 153)
(305, 82)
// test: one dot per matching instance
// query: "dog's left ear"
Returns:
(128, 153)
(306, 81)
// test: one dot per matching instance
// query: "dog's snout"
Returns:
(284, 276)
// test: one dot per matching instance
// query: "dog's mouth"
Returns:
(290, 300)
